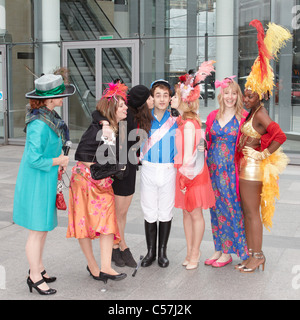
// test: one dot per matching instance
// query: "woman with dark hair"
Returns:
(259, 153)
(92, 212)
(36, 186)
(138, 123)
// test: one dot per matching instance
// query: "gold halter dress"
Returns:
(266, 171)
(250, 169)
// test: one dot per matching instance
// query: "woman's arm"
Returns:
(189, 141)
(107, 130)
(272, 130)
(272, 137)
(37, 139)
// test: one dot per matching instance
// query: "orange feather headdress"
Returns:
(261, 78)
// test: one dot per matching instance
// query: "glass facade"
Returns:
(172, 36)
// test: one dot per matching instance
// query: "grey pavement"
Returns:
(63, 258)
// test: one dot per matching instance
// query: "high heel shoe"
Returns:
(193, 264)
(35, 285)
(258, 256)
(94, 277)
(185, 262)
(47, 280)
(117, 277)
(243, 264)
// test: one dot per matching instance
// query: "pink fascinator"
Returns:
(225, 83)
(114, 90)
(189, 83)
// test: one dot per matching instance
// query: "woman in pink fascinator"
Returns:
(223, 132)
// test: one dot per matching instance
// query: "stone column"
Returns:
(50, 25)
(225, 39)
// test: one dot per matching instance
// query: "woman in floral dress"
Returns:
(223, 131)
(92, 212)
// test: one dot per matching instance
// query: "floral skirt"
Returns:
(91, 206)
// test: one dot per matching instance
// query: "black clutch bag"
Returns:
(102, 171)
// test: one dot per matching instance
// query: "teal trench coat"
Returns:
(35, 192)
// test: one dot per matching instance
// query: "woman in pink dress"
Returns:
(193, 186)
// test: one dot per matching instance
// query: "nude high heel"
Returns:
(185, 262)
(243, 264)
(193, 264)
(258, 256)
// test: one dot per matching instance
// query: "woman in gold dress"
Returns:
(260, 156)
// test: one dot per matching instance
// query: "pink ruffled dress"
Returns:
(199, 192)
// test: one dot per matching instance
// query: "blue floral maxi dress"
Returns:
(226, 217)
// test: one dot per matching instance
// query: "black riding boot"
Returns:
(151, 236)
(164, 232)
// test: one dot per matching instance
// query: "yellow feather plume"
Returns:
(272, 167)
(275, 39)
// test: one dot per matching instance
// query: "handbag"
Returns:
(60, 200)
(102, 171)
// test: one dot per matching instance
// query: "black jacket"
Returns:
(88, 144)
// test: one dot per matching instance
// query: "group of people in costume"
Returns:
(230, 168)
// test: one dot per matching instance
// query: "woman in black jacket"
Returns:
(91, 202)
(132, 132)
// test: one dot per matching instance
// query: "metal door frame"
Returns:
(98, 46)
(4, 90)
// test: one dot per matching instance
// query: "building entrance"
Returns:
(92, 65)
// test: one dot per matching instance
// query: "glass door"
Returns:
(92, 65)
(3, 96)
(81, 63)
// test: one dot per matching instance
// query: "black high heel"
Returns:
(105, 276)
(94, 277)
(47, 280)
(40, 291)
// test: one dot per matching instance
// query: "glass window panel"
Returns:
(296, 69)
(19, 20)
(81, 64)
(116, 64)
(96, 20)
(1, 98)
(21, 81)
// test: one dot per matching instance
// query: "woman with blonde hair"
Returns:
(193, 186)
(223, 132)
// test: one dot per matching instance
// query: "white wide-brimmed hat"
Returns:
(50, 86)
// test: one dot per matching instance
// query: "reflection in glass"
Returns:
(116, 64)
(81, 64)
(1, 100)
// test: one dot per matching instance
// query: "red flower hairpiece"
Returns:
(183, 78)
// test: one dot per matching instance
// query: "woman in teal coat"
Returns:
(35, 192)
